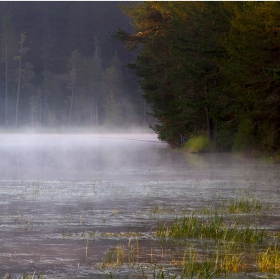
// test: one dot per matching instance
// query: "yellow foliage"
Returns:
(196, 144)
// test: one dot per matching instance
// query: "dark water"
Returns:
(63, 197)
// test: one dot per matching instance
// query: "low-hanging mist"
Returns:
(69, 199)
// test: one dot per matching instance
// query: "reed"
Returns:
(25, 275)
(114, 257)
(213, 227)
(269, 260)
(245, 205)
(86, 243)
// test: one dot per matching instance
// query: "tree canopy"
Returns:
(209, 68)
(59, 64)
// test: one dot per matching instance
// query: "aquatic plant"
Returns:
(25, 275)
(213, 227)
(269, 260)
(114, 257)
(245, 205)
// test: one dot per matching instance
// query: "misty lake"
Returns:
(71, 203)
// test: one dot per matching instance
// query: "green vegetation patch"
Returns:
(212, 227)
(245, 205)
(196, 144)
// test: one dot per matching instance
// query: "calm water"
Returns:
(66, 198)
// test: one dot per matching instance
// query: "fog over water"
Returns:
(76, 157)
(115, 157)
(106, 183)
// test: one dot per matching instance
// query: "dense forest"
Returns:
(60, 66)
(209, 69)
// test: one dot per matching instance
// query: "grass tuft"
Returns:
(269, 260)
(213, 227)
(245, 205)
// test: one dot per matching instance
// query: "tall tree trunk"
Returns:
(32, 117)
(40, 108)
(71, 102)
(46, 108)
(144, 113)
(6, 85)
(96, 114)
(18, 88)
(91, 111)
(21, 51)
(209, 125)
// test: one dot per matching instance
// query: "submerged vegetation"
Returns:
(203, 247)
(206, 243)
(210, 227)
(229, 238)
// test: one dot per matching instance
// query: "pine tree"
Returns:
(8, 52)
(252, 46)
(178, 45)
(95, 83)
(74, 72)
(24, 73)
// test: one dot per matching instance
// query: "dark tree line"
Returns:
(60, 66)
(209, 68)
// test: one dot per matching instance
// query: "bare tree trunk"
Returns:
(6, 90)
(45, 108)
(208, 120)
(40, 108)
(71, 103)
(18, 89)
(21, 51)
(91, 111)
(209, 125)
(144, 113)
(96, 114)
(32, 117)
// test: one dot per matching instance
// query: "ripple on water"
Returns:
(67, 194)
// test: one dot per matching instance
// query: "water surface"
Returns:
(65, 199)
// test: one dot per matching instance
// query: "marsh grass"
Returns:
(192, 263)
(245, 205)
(25, 275)
(269, 260)
(115, 256)
(208, 243)
(162, 210)
(225, 260)
(222, 260)
(210, 227)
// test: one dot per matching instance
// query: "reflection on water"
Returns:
(59, 191)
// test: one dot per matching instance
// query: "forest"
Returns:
(61, 67)
(209, 69)
(202, 69)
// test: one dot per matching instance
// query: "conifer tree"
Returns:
(178, 46)
(95, 83)
(8, 51)
(74, 74)
(24, 72)
(251, 71)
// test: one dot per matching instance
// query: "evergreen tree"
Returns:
(178, 46)
(74, 75)
(251, 70)
(24, 72)
(8, 52)
(95, 74)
